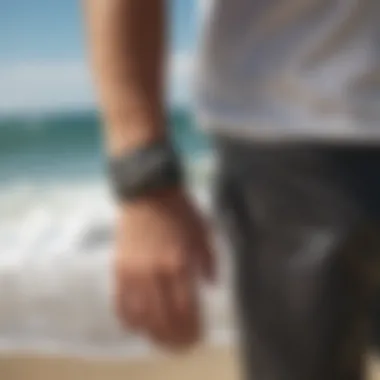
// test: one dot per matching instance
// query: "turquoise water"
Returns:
(63, 146)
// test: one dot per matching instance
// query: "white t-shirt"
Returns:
(291, 69)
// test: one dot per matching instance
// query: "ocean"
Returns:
(69, 145)
(56, 235)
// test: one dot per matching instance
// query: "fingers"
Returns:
(130, 297)
(204, 256)
(204, 260)
(174, 313)
(161, 304)
(207, 263)
(186, 309)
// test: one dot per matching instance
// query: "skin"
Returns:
(162, 245)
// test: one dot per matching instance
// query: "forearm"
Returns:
(127, 49)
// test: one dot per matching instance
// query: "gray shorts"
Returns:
(304, 226)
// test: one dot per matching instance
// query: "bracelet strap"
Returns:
(145, 170)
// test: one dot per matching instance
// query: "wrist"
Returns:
(160, 198)
(146, 172)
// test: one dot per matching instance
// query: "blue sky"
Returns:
(42, 64)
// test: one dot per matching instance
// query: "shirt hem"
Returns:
(270, 133)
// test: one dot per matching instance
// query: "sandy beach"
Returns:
(204, 363)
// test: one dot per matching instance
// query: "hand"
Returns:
(161, 248)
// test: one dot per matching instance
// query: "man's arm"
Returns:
(127, 46)
(161, 242)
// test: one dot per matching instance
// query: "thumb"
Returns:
(207, 259)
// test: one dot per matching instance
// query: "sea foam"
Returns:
(56, 245)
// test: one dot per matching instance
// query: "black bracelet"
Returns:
(145, 170)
